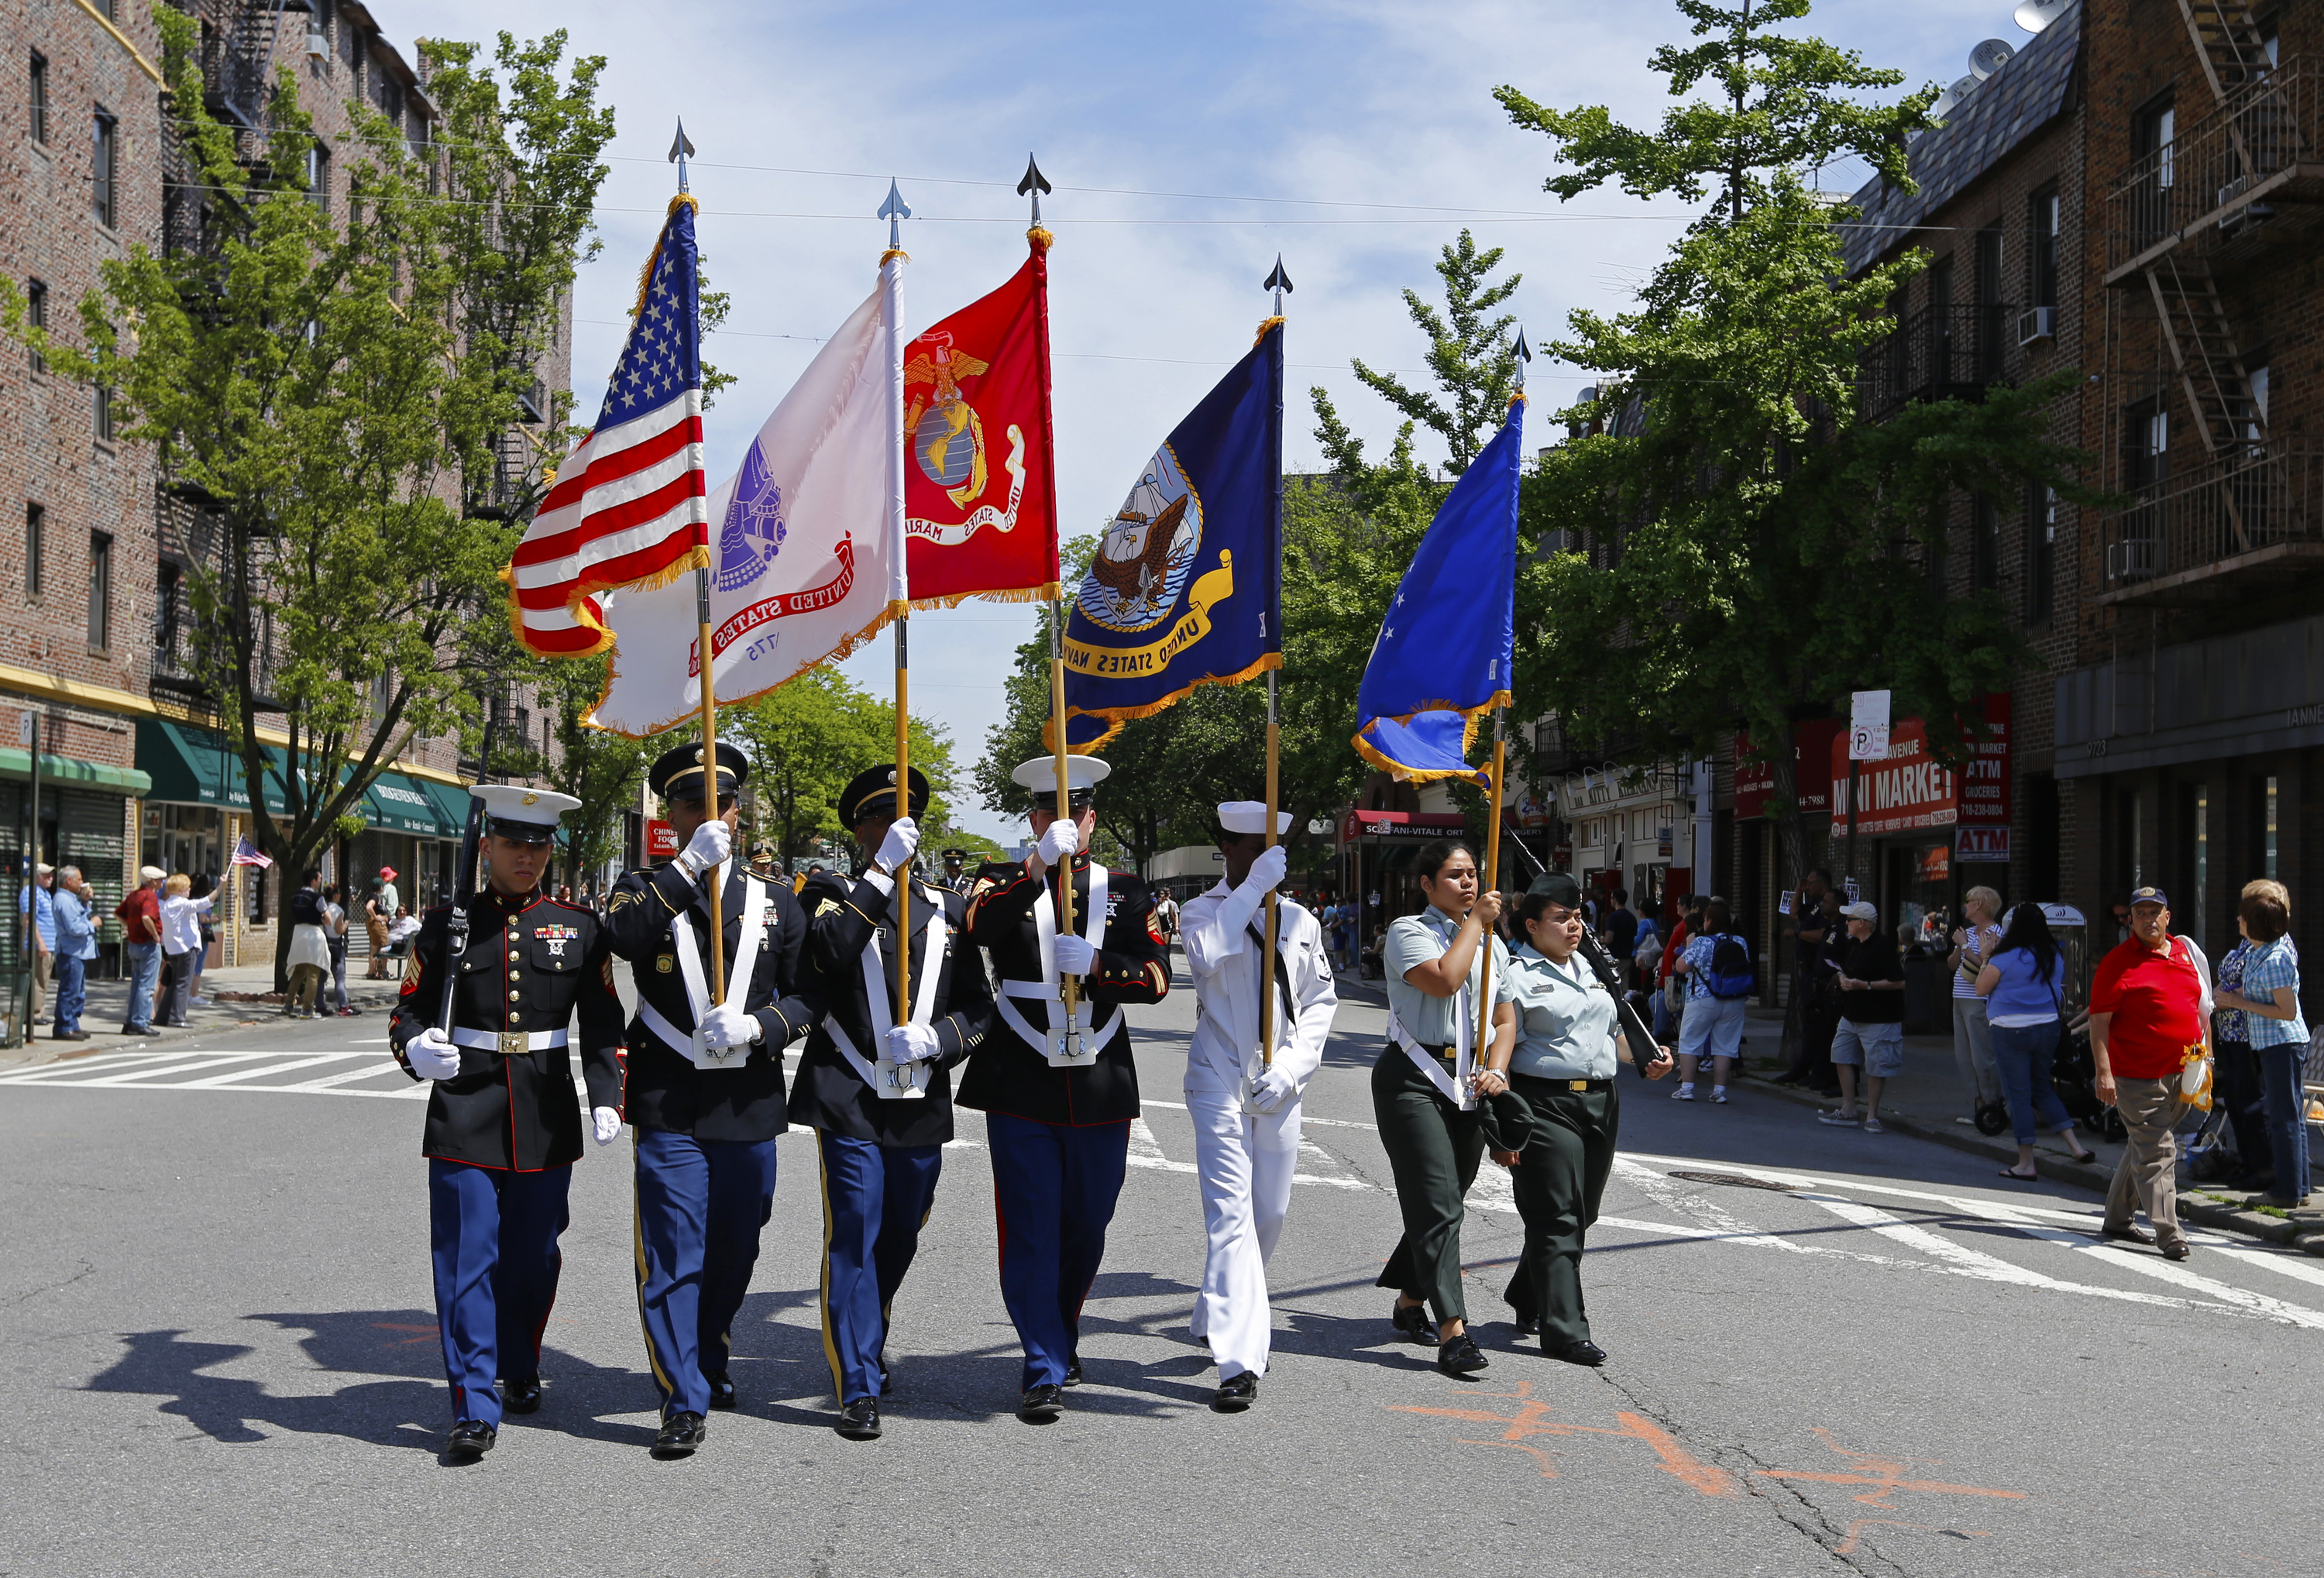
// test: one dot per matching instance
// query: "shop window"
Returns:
(2043, 829)
(2267, 828)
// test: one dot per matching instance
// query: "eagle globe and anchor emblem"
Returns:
(948, 439)
(1146, 554)
(753, 533)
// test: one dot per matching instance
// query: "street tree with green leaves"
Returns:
(331, 385)
(1757, 550)
(809, 737)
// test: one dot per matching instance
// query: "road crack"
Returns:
(87, 1270)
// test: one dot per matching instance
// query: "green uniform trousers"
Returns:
(1432, 1149)
(1559, 1179)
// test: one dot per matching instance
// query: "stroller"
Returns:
(2074, 1076)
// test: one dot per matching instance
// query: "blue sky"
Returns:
(1378, 117)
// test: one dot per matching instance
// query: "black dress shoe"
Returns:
(859, 1420)
(2132, 1234)
(1072, 1372)
(722, 1390)
(680, 1434)
(469, 1441)
(521, 1397)
(1461, 1356)
(1529, 1325)
(1042, 1403)
(1585, 1352)
(2177, 1251)
(1411, 1320)
(1236, 1393)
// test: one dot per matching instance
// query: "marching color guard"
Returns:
(876, 1082)
(1246, 1110)
(503, 1129)
(1058, 1096)
(705, 1092)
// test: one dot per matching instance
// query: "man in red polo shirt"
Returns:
(2146, 1009)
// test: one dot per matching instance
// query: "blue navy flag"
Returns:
(1187, 588)
(1445, 649)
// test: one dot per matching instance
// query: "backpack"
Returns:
(1730, 974)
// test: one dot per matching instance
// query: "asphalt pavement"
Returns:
(1833, 1351)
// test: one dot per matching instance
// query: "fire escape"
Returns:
(2189, 222)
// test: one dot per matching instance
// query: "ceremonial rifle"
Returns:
(464, 883)
(1643, 1048)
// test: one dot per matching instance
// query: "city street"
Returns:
(1832, 1352)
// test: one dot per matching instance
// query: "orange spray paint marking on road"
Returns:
(1533, 1419)
(1886, 1475)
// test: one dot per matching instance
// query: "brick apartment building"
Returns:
(95, 622)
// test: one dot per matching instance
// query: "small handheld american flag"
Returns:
(629, 508)
(246, 853)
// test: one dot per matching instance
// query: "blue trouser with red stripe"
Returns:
(700, 1205)
(1054, 1188)
(875, 1200)
(493, 1233)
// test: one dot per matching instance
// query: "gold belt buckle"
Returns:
(1577, 1084)
(515, 1043)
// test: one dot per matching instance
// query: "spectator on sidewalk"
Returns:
(2235, 1083)
(76, 947)
(1717, 968)
(335, 937)
(1870, 1035)
(39, 901)
(1810, 930)
(206, 890)
(311, 949)
(2270, 1003)
(377, 918)
(2146, 1012)
(2022, 987)
(1972, 945)
(1620, 926)
(1670, 987)
(140, 914)
(181, 942)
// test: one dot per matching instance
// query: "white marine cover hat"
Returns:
(1250, 817)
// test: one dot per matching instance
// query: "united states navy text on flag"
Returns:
(629, 509)
(1445, 648)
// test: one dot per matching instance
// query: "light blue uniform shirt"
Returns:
(1415, 939)
(1566, 1020)
(2266, 967)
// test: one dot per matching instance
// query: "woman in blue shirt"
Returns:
(2270, 1001)
(1563, 1065)
(2024, 984)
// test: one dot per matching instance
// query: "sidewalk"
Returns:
(1929, 1099)
(236, 997)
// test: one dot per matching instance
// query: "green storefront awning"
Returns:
(67, 769)
(451, 805)
(197, 767)
(397, 804)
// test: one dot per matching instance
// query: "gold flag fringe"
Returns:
(895, 254)
(1265, 324)
(1042, 594)
(1041, 238)
(1471, 716)
(645, 274)
(1122, 716)
(838, 654)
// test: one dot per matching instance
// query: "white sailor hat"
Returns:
(1082, 774)
(1250, 817)
(527, 815)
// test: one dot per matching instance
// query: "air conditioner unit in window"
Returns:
(2132, 559)
(2039, 323)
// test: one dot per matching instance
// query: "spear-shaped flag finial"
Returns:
(681, 149)
(1033, 184)
(1279, 281)
(1525, 355)
(893, 211)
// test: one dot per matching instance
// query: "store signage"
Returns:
(1987, 844)
(1911, 789)
(1755, 781)
(661, 841)
(1399, 824)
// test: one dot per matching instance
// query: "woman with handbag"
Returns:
(1973, 944)
(2022, 988)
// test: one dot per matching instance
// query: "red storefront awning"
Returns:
(1912, 790)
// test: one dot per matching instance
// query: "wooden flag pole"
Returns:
(903, 810)
(1069, 985)
(710, 781)
(1267, 965)
(1491, 883)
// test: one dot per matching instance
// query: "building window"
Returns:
(105, 413)
(100, 591)
(1990, 310)
(167, 595)
(2146, 442)
(36, 316)
(38, 98)
(1985, 545)
(2041, 553)
(2201, 812)
(2267, 827)
(2042, 281)
(36, 526)
(105, 153)
(318, 176)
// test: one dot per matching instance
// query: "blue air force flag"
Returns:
(1444, 650)
(1187, 588)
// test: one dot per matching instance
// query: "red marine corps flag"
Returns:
(979, 486)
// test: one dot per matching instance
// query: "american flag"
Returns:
(629, 508)
(246, 853)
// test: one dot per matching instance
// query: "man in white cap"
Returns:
(1058, 1095)
(503, 1129)
(1246, 1106)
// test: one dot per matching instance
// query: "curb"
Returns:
(43, 1050)
(2305, 1233)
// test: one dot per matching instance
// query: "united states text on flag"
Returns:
(629, 509)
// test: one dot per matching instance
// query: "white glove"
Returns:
(1059, 842)
(712, 842)
(1267, 871)
(432, 1055)
(896, 849)
(1271, 1087)
(913, 1044)
(608, 1123)
(724, 1028)
(1074, 955)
